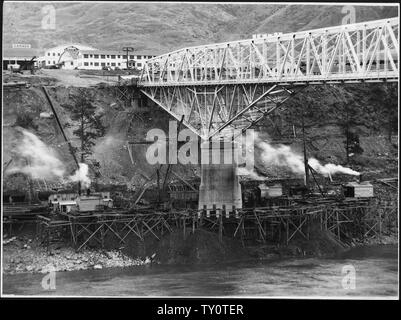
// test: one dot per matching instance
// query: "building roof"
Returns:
(363, 184)
(67, 203)
(20, 52)
(117, 52)
(77, 45)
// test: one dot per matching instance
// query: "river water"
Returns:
(376, 275)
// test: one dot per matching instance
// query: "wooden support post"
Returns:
(287, 229)
(221, 228)
(203, 214)
(338, 226)
(193, 223)
(102, 233)
(380, 222)
(184, 231)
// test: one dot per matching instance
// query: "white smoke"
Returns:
(243, 171)
(38, 161)
(41, 162)
(283, 156)
(330, 168)
(81, 175)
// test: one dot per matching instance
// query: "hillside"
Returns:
(368, 112)
(162, 27)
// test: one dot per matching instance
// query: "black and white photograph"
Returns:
(200, 150)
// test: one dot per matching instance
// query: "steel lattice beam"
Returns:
(208, 110)
(237, 83)
(367, 51)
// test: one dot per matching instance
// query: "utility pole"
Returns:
(127, 50)
(305, 155)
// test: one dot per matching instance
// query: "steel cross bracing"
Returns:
(236, 83)
(208, 110)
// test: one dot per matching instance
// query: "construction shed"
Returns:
(90, 203)
(271, 191)
(24, 57)
(358, 190)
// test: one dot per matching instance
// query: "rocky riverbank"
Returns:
(23, 254)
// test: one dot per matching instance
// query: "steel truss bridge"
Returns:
(235, 84)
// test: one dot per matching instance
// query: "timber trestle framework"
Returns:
(345, 221)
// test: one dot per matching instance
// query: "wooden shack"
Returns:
(90, 203)
(66, 206)
(358, 190)
(271, 191)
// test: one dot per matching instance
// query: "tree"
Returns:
(385, 99)
(88, 124)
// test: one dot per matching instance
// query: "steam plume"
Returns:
(285, 157)
(81, 175)
(42, 162)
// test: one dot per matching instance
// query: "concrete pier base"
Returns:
(220, 187)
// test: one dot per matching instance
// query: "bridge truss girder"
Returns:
(209, 110)
(367, 51)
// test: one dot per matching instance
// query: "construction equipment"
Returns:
(27, 63)
(14, 68)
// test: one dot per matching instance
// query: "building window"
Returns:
(113, 64)
(91, 56)
(96, 64)
(118, 56)
(54, 62)
(48, 62)
(59, 54)
(132, 57)
(113, 56)
(48, 53)
(85, 56)
(102, 56)
(108, 63)
(108, 56)
(119, 64)
(103, 64)
(139, 64)
(54, 54)
(96, 56)
(72, 63)
(124, 57)
(91, 63)
(86, 64)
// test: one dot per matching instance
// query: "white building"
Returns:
(64, 53)
(98, 59)
(75, 56)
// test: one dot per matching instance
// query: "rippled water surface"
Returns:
(376, 275)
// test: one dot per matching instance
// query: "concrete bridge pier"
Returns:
(219, 180)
